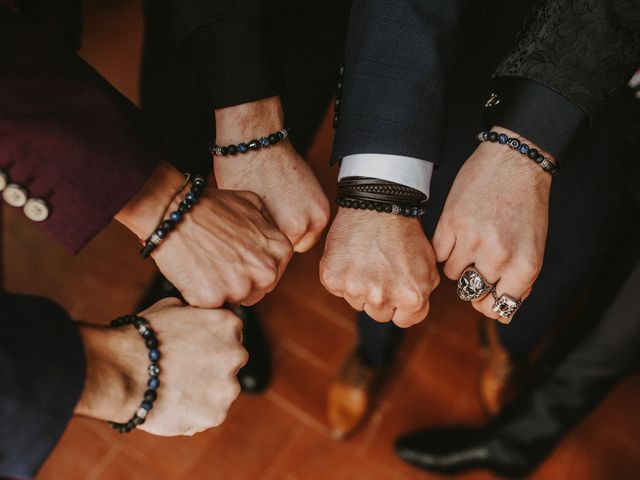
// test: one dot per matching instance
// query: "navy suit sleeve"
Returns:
(398, 55)
(42, 371)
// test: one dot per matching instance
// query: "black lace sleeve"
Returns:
(585, 50)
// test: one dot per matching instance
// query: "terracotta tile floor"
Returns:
(280, 435)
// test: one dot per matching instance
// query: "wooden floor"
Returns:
(281, 435)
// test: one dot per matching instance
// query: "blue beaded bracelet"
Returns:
(503, 139)
(165, 226)
(255, 144)
(151, 394)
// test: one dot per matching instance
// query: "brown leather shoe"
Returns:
(500, 376)
(350, 396)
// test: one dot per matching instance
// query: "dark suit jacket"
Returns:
(71, 139)
(571, 59)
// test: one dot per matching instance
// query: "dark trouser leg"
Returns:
(540, 418)
(591, 216)
(378, 342)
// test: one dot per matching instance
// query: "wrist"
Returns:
(243, 122)
(145, 210)
(513, 157)
(114, 382)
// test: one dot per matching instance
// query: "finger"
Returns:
(444, 241)
(459, 259)
(380, 313)
(255, 200)
(514, 283)
(307, 241)
(405, 318)
(357, 303)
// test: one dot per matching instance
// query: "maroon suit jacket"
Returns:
(67, 135)
(72, 140)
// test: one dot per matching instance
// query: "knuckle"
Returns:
(206, 298)
(528, 266)
(411, 298)
(331, 279)
(376, 297)
(353, 288)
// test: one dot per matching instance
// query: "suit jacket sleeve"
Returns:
(42, 371)
(66, 135)
(229, 47)
(397, 57)
(571, 58)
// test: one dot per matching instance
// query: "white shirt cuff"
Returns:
(408, 171)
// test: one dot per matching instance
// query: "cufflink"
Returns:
(4, 180)
(15, 195)
(36, 210)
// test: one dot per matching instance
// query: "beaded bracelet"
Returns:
(255, 144)
(503, 139)
(407, 211)
(150, 396)
(165, 226)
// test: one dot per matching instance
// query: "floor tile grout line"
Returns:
(304, 354)
(292, 409)
(273, 468)
(106, 460)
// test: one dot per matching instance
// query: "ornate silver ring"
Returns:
(505, 305)
(472, 285)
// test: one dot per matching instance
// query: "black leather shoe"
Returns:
(455, 450)
(254, 377)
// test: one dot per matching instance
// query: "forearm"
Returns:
(144, 211)
(248, 120)
(42, 372)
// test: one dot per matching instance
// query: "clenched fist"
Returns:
(201, 355)
(496, 218)
(278, 174)
(380, 263)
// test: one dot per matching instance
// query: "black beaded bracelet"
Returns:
(407, 211)
(150, 396)
(503, 139)
(255, 144)
(165, 226)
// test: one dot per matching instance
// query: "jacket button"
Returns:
(4, 180)
(15, 195)
(36, 210)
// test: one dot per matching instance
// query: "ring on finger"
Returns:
(505, 305)
(472, 285)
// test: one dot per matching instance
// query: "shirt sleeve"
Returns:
(408, 171)
(42, 372)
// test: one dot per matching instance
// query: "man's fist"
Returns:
(496, 218)
(380, 263)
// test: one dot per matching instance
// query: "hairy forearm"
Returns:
(248, 120)
(111, 386)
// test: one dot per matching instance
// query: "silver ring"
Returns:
(505, 305)
(472, 285)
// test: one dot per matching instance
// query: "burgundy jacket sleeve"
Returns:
(66, 135)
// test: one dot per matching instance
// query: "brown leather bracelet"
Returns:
(375, 189)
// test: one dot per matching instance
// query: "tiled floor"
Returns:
(281, 435)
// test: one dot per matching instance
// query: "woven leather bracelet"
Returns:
(373, 189)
